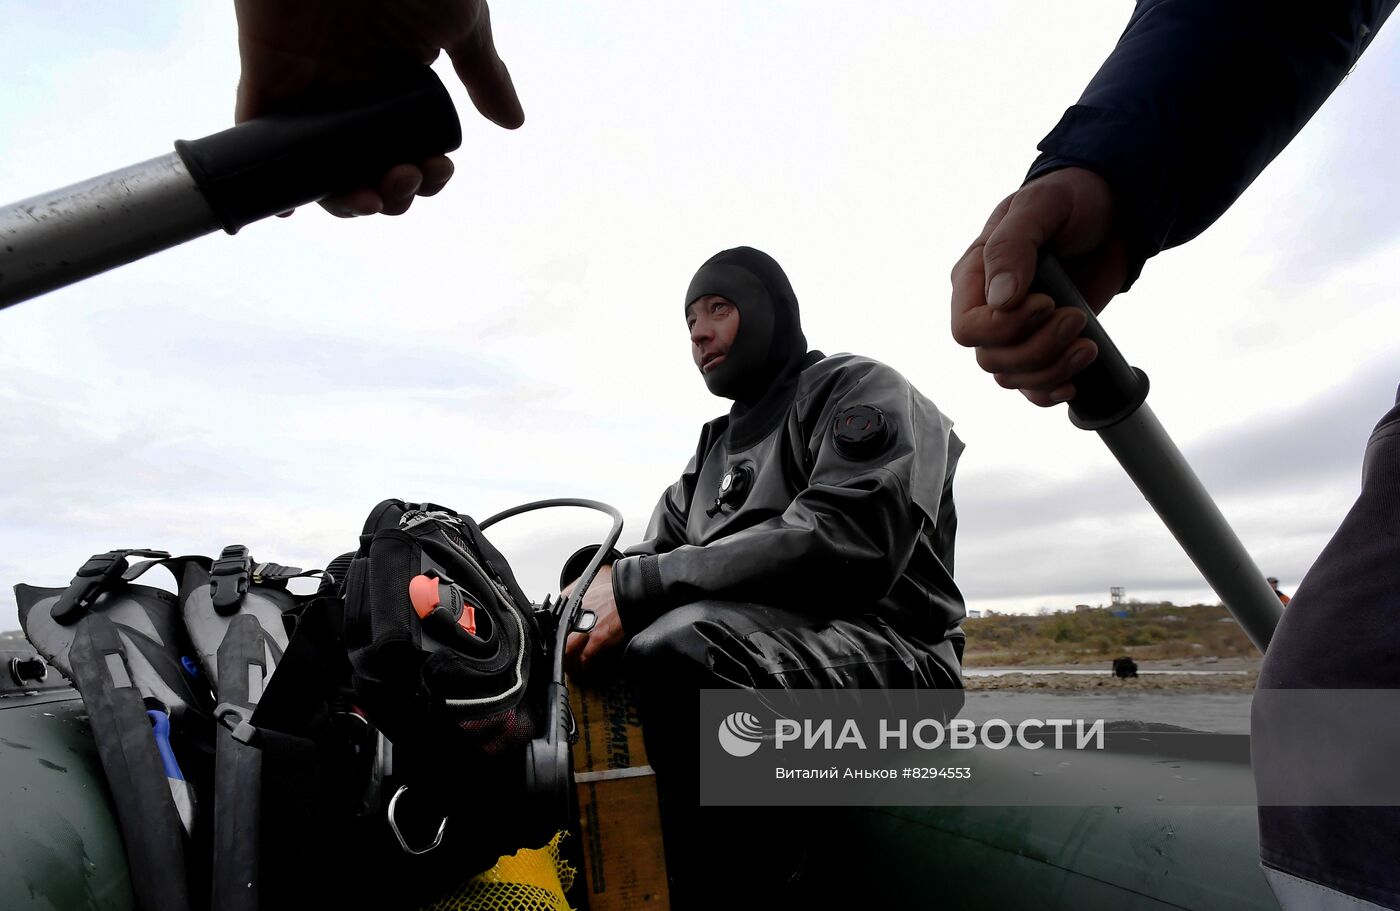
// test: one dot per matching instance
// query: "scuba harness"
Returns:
(252, 736)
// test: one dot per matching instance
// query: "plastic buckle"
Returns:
(238, 720)
(229, 577)
(93, 577)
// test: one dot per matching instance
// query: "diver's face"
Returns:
(714, 324)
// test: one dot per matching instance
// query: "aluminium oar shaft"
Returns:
(227, 180)
(1159, 470)
(1110, 398)
(64, 236)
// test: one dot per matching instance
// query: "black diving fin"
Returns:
(121, 644)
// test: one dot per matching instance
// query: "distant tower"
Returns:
(1118, 595)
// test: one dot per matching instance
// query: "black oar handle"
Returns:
(1108, 390)
(283, 160)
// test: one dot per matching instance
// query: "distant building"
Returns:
(1117, 595)
(1082, 608)
(974, 615)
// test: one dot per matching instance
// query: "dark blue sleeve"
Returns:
(1198, 97)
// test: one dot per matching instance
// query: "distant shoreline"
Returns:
(1207, 675)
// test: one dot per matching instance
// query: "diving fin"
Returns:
(234, 612)
(147, 621)
(120, 644)
(212, 598)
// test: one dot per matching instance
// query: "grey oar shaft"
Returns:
(1160, 471)
(66, 235)
(1110, 398)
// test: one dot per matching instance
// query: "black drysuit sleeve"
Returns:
(845, 538)
(1197, 98)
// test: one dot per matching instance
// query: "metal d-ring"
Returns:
(394, 826)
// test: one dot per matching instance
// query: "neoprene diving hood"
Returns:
(770, 335)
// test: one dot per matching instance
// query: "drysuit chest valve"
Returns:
(733, 488)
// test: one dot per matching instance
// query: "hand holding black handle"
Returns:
(227, 180)
(1108, 390)
(1111, 398)
(283, 160)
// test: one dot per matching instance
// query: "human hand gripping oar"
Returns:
(1110, 398)
(228, 180)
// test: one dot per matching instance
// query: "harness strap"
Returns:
(141, 788)
(264, 573)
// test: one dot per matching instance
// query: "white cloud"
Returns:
(520, 335)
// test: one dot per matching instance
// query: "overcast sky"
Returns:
(521, 335)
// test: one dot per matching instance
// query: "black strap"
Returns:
(238, 768)
(272, 573)
(151, 828)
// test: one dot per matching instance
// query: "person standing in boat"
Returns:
(1195, 100)
(808, 544)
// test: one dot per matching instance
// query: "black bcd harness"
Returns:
(370, 744)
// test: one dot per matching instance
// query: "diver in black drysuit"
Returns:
(803, 547)
(1195, 100)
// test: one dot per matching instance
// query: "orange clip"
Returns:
(423, 593)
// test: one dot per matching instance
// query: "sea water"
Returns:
(1224, 713)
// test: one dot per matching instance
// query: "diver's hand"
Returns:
(1020, 338)
(583, 650)
(289, 49)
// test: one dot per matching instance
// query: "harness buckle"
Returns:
(229, 577)
(238, 720)
(94, 577)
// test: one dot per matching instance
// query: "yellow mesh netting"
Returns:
(531, 879)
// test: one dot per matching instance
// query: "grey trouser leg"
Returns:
(1341, 631)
